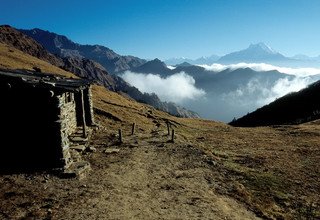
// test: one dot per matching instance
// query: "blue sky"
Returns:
(175, 28)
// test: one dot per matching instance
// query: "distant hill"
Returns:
(83, 67)
(206, 59)
(201, 60)
(226, 80)
(184, 64)
(64, 47)
(305, 57)
(294, 108)
(155, 66)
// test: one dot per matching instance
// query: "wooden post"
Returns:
(120, 135)
(133, 128)
(172, 136)
(84, 127)
(168, 127)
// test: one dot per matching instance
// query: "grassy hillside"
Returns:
(211, 171)
(294, 108)
(11, 58)
(274, 170)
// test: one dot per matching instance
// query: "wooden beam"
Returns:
(84, 127)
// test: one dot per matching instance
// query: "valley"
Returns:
(210, 170)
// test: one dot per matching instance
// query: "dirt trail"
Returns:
(152, 180)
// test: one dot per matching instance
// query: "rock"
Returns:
(133, 145)
(78, 139)
(77, 169)
(155, 132)
(111, 150)
(211, 162)
(79, 148)
(91, 149)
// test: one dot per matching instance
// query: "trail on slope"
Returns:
(150, 178)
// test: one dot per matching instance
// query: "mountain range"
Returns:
(231, 92)
(219, 81)
(114, 63)
(255, 53)
(228, 93)
(84, 66)
(201, 60)
(63, 47)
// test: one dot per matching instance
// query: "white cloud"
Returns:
(216, 67)
(263, 67)
(171, 67)
(256, 93)
(284, 86)
(175, 88)
(180, 88)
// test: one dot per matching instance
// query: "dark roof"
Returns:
(44, 80)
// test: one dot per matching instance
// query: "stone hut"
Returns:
(38, 113)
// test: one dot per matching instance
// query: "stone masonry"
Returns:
(40, 112)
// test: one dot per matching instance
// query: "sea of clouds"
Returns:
(302, 72)
(180, 88)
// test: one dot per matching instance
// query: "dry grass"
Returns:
(274, 170)
(11, 58)
(277, 169)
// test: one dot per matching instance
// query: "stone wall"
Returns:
(37, 122)
(69, 118)
(65, 125)
(68, 112)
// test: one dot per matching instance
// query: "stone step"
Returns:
(78, 147)
(77, 169)
(78, 139)
(111, 150)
